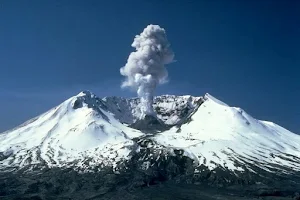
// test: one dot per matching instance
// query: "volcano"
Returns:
(199, 140)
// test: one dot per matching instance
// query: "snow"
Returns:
(218, 134)
(65, 134)
(209, 131)
(211, 98)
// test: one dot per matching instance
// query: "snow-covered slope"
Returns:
(221, 136)
(86, 131)
(69, 134)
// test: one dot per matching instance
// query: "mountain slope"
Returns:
(87, 132)
(90, 148)
(217, 135)
(73, 131)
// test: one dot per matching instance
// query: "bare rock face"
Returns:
(149, 123)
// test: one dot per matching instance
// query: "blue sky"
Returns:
(246, 53)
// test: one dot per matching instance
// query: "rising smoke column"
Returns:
(145, 67)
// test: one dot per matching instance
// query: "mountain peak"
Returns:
(208, 96)
(86, 93)
(85, 98)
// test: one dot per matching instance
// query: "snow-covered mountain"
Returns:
(86, 132)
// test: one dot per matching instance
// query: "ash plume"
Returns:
(145, 67)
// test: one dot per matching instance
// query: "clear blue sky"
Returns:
(246, 53)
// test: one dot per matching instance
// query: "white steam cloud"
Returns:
(145, 68)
